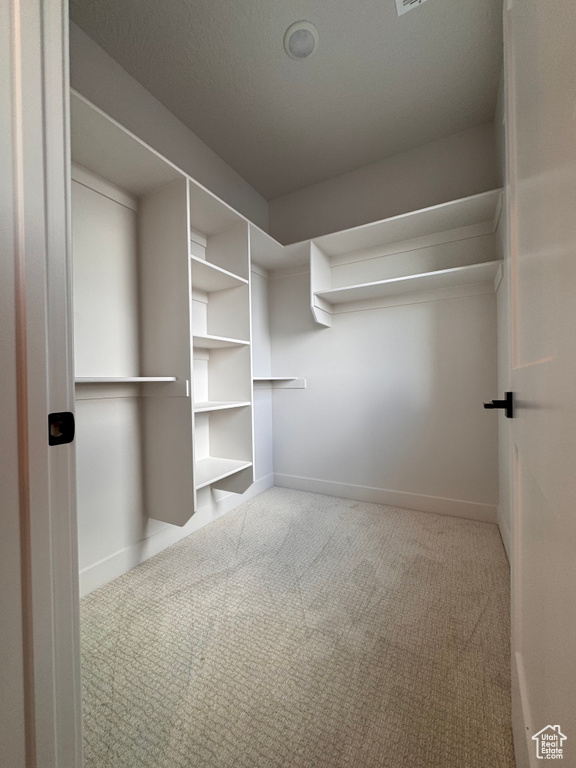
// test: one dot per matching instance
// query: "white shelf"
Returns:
(122, 379)
(379, 262)
(218, 405)
(477, 210)
(444, 278)
(105, 387)
(208, 277)
(103, 146)
(212, 469)
(278, 382)
(217, 342)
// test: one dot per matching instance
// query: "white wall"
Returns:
(95, 75)
(453, 167)
(393, 410)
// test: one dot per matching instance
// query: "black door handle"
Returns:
(507, 405)
(61, 428)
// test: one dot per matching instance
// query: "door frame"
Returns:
(41, 651)
(520, 719)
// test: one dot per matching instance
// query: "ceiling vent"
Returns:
(301, 40)
(403, 6)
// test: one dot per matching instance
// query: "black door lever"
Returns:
(61, 428)
(507, 405)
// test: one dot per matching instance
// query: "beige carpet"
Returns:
(305, 631)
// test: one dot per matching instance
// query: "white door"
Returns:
(39, 670)
(540, 53)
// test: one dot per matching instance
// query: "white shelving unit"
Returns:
(437, 252)
(162, 286)
(132, 311)
(222, 393)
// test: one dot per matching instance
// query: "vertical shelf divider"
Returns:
(165, 307)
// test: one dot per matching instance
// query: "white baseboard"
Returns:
(102, 572)
(505, 533)
(522, 725)
(471, 510)
(96, 575)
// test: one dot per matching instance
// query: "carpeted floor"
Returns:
(305, 631)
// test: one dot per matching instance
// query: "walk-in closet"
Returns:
(287, 457)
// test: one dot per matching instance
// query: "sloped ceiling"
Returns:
(376, 86)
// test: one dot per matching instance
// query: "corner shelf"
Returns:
(217, 342)
(444, 251)
(479, 212)
(212, 469)
(210, 278)
(443, 278)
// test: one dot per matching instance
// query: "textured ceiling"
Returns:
(376, 86)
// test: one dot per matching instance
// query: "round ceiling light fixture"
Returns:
(301, 40)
